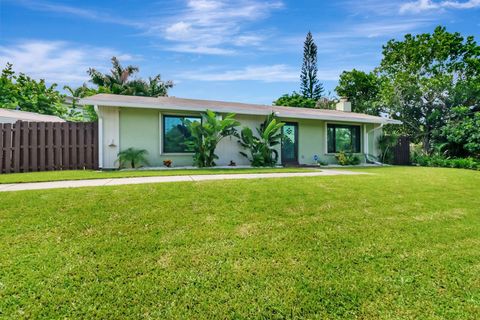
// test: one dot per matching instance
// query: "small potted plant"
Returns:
(167, 163)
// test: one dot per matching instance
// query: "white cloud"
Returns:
(57, 61)
(272, 73)
(269, 73)
(430, 5)
(214, 26)
(201, 26)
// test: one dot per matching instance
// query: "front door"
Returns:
(290, 143)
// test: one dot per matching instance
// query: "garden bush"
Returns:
(441, 161)
(347, 159)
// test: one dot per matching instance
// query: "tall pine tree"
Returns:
(310, 86)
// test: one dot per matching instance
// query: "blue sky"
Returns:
(246, 50)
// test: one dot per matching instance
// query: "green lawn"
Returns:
(403, 243)
(92, 174)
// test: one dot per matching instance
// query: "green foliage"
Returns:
(78, 113)
(132, 157)
(347, 159)
(311, 87)
(386, 144)
(118, 81)
(419, 80)
(295, 100)
(261, 146)
(361, 89)
(29, 95)
(207, 134)
(442, 161)
(461, 133)
(424, 76)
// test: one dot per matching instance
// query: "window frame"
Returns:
(162, 132)
(344, 126)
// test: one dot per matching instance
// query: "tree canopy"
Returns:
(19, 91)
(419, 81)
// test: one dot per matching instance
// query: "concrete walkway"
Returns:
(161, 179)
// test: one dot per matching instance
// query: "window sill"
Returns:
(177, 154)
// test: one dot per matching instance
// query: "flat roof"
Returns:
(28, 116)
(174, 103)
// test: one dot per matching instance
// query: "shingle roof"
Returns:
(28, 116)
(173, 103)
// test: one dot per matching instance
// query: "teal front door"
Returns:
(290, 143)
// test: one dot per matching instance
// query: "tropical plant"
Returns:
(206, 135)
(78, 113)
(133, 157)
(261, 147)
(119, 82)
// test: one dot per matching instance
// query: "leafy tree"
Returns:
(424, 76)
(22, 92)
(261, 147)
(119, 81)
(461, 133)
(310, 86)
(207, 134)
(362, 90)
(133, 157)
(295, 100)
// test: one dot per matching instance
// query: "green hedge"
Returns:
(439, 161)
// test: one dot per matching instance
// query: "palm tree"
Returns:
(119, 82)
(133, 157)
(116, 80)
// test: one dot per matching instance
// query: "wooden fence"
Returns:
(401, 152)
(43, 146)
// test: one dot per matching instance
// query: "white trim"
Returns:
(365, 139)
(160, 133)
(326, 137)
(100, 137)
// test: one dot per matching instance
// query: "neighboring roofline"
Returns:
(29, 116)
(238, 108)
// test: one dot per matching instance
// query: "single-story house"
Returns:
(12, 116)
(156, 125)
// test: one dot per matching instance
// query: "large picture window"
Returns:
(176, 134)
(343, 138)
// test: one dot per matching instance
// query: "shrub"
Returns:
(441, 161)
(347, 159)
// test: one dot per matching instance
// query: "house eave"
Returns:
(262, 110)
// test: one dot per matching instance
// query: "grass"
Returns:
(402, 243)
(93, 174)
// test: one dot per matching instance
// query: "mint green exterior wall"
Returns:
(140, 128)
